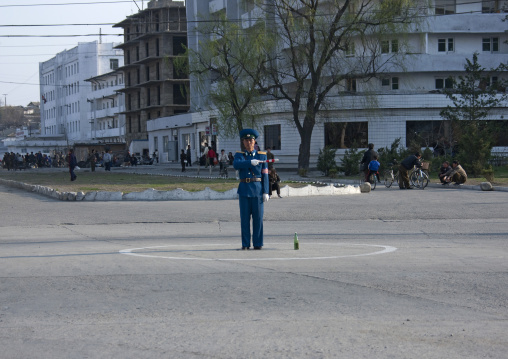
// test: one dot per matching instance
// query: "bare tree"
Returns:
(229, 63)
(326, 45)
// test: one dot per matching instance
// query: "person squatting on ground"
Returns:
(456, 174)
(445, 167)
(274, 182)
(374, 168)
(253, 189)
(405, 166)
(73, 162)
(367, 157)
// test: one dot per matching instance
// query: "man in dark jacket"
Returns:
(367, 157)
(405, 166)
(71, 160)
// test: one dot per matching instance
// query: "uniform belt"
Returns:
(247, 180)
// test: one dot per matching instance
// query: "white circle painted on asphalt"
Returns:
(191, 252)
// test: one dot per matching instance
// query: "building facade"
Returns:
(107, 104)
(64, 93)
(402, 103)
(154, 89)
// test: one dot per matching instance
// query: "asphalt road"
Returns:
(390, 274)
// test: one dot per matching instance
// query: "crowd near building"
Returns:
(131, 95)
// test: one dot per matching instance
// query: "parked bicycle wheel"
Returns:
(388, 178)
(372, 181)
(419, 179)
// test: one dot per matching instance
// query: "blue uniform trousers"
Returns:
(252, 206)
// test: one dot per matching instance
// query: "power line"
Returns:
(37, 25)
(62, 35)
(71, 3)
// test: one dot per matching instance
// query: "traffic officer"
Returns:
(253, 188)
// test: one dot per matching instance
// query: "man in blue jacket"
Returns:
(253, 188)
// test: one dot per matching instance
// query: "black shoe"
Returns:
(409, 188)
(279, 196)
(257, 248)
(245, 248)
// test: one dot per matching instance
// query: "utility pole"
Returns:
(5, 101)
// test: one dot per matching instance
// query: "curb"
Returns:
(176, 194)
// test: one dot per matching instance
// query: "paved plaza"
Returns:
(388, 274)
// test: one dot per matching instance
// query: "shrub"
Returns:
(351, 161)
(326, 160)
(488, 173)
(395, 152)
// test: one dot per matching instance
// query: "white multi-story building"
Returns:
(107, 104)
(65, 110)
(404, 103)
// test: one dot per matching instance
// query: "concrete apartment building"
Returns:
(407, 102)
(65, 111)
(106, 104)
(153, 37)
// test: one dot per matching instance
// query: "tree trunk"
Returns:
(305, 137)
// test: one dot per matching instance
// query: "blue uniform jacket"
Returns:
(246, 170)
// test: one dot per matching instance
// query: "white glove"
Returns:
(254, 162)
(266, 197)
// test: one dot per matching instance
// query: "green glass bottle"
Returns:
(297, 245)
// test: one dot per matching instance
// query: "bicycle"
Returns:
(418, 178)
(390, 176)
(223, 173)
(372, 181)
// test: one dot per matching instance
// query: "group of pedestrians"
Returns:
(15, 161)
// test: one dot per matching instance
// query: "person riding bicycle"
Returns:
(367, 157)
(405, 166)
(223, 160)
(374, 167)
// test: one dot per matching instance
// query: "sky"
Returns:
(20, 56)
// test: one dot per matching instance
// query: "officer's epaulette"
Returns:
(262, 152)
(239, 151)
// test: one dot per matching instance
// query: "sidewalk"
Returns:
(285, 174)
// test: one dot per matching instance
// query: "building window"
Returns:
(350, 49)
(272, 137)
(351, 85)
(113, 64)
(445, 7)
(395, 83)
(490, 44)
(444, 83)
(179, 95)
(389, 46)
(491, 6)
(445, 45)
(346, 134)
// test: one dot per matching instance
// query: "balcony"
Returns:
(110, 132)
